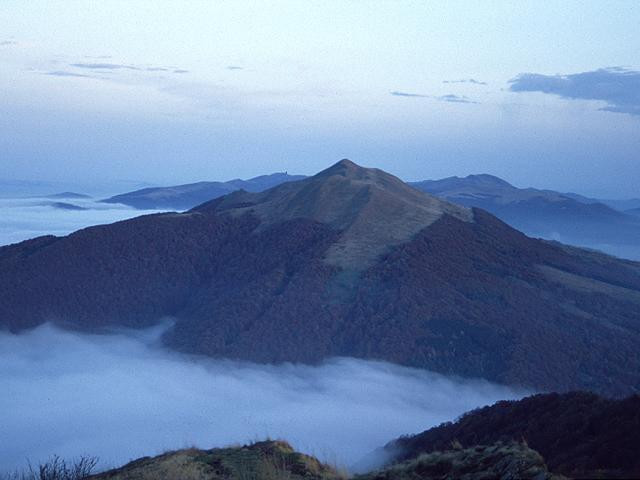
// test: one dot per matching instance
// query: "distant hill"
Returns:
(68, 195)
(183, 197)
(622, 205)
(569, 218)
(349, 262)
(634, 211)
(579, 434)
(64, 206)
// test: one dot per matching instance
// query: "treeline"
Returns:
(579, 434)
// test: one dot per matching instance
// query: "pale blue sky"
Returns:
(171, 92)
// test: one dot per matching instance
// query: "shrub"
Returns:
(56, 468)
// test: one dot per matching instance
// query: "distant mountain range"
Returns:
(610, 225)
(64, 206)
(68, 196)
(183, 197)
(634, 211)
(349, 262)
(569, 218)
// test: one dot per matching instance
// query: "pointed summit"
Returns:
(344, 167)
(372, 209)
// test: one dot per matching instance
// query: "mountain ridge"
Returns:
(182, 197)
(373, 209)
(570, 218)
(579, 434)
(252, 277)
(609, 225)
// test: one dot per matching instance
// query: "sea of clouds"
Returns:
(22, 218)
(122, 395)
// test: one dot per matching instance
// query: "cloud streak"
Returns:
(618, 87)
(110, 67)
(454, 99)
(121, 396)
(451, 98)
(65, 73)
(466, 80)
(105, 66)
(396, 93)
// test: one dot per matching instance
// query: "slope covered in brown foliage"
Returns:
(350, 262)
(578, 434)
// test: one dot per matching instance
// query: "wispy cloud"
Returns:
(618, 87)
(108, 71)
(64, 73)
(407, 94)
(455, 98)
(125, 66)
(105, 66)
(443, 98)
(466, 80)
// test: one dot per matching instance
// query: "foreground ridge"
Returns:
(276, 460)
(262, 460)
(579, 434)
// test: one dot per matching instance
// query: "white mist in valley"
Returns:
(25, 218)
(121, 396)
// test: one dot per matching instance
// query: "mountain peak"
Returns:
(343, 167)
(372, 209)
(352, 171)
(487, 180)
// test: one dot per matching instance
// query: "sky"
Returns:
(106, 92)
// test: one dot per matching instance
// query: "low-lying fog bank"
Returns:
(122, 396)
(25, 218)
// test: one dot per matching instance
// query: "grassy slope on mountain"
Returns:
(499, 461)
(579, 434)
(269, 460)
(278, 461)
